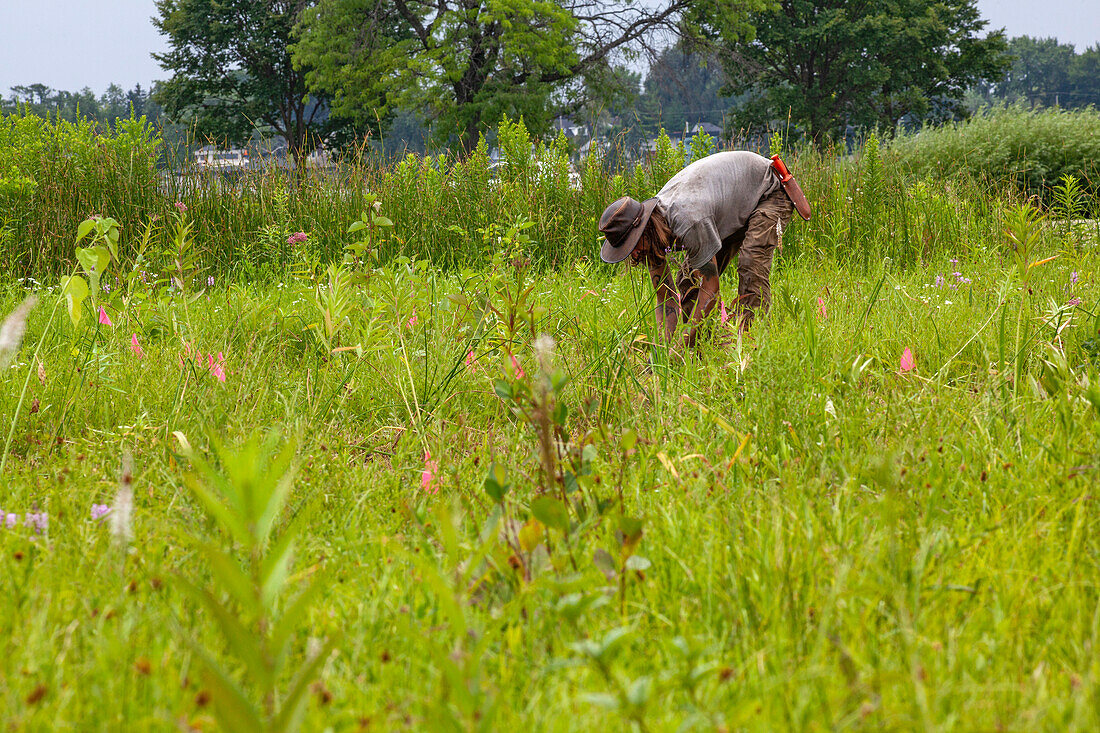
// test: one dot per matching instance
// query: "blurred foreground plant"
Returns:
(245, 497)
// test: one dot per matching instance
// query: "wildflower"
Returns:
(1074, 301)
(516, 368)
(217, 368)
(964, 280)
(723, 314)
(103, 317)
(11, 333)
(99, 511)
(821, 308)
(106, 287)
(297, 238)
(181, 207)
(427, 476)
(939, 281)
(470, 361)
(40, 521)
(412, 321)
(958, 275)
(10, 520)
(907, 364)
(210, 281)
(1073, 278)
(954, 261)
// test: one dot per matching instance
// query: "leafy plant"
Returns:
(244, 495)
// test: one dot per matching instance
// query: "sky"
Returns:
(71, 44)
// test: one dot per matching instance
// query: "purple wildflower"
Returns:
(954, 261)
(1073, 278)
(10, 520)
(210, 281)
(939, 281)
(1075, 301)
(181, 207)
(99, 511)
(40, 521)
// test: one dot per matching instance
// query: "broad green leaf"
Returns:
(356, 226)
(75, 290)
(85, 227)
(628, 439)
(551, 512)
(496, 482)
(382, 221)
(530, 535)
(637, 562)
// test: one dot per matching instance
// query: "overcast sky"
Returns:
(70, 44)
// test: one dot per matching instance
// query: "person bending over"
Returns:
(731, 203)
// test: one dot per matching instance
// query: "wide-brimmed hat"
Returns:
(622, 224)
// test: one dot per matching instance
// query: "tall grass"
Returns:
(1030, 149)
(443, 208)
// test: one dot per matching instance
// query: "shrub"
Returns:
(1033, 149)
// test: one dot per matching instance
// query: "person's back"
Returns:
(713, 198)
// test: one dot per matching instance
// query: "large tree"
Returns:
(232, 72)
(831, 63)
(467, 62)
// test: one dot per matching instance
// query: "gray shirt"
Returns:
(712, 198)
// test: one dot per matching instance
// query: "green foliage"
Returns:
(467, 64)
(1033, 149)
(1047, 73)
(830, 63)
(228, 81)
(244, 495)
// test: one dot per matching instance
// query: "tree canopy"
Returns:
(467, 62)
(831, 63)
(232, 71)
(1048, 73)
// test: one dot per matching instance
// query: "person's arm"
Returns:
(708, 295)
(668, 306)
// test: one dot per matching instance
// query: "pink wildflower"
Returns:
(135, 346)
(412, 321)
(103, 318)
(907, 364)
(427, 476)
(470, 361)
(181, 207)
(99, 511)
(821, 308)
(297, 238)
(520, 374)
(217, 367)
(723, 314)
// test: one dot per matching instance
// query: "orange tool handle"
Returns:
(784, 174)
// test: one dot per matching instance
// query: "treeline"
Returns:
(1046, 73)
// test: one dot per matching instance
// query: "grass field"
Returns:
(875, 512)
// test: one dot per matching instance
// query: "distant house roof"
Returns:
(708, 128)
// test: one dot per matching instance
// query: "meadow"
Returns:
(396, 451)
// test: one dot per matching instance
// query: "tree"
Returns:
(830, 63)
(467, 62)
(232, 71)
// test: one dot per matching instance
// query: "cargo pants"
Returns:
(754, 246)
